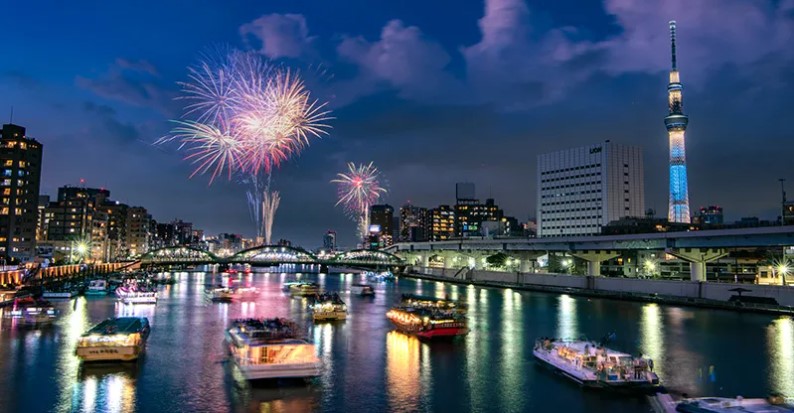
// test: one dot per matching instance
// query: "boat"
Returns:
(97, 287)
(221, 295)
(446, 304)
(244, 293)
(133, 292)
(286, 287)
(33, 311)
(63, 292)
(304, 289)
(593, 365)
(428, 323)
(115, 339)
(362, 289)
(379, 276)
(271, 349)
(327, 307)
(664, 403)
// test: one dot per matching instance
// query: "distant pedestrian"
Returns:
(650, 364)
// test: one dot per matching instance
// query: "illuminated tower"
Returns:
(676, 123)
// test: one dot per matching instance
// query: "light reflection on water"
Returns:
(567, 324)
(403, 370)
(368, 367)
(780, 344)
(652, 335)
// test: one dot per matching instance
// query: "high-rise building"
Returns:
(676, 123)
(329, 240)
(711, 215)
(117, 229)
(41, 226)
(19, 214)
(581, 190)
(382, 216)
(77, 224)
(413, 223)
(442, 223)
(138, 235)
(464, 190)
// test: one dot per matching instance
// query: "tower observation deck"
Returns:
(676, 122)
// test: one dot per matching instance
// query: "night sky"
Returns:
(434, 92)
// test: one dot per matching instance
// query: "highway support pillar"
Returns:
(594, 259)
(697, 259)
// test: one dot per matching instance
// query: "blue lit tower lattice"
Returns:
(676, 123)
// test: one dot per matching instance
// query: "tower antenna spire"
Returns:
(672, 42)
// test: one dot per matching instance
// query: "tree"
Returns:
(497, 260)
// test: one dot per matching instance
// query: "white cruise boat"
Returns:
(591, 365)
(115, 339)
(132, 296)
(664, 403)
(97, 287)
(362, 289)
(271, 349)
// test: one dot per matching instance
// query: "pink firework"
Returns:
(358, 188)
(247, 116)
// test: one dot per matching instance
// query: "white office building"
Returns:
(583, 189)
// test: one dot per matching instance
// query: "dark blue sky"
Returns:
(432, 92)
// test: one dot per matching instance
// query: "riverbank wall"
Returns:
(729, 296)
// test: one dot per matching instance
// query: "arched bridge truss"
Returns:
(268, 255)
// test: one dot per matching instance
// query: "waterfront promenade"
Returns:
(730, 296)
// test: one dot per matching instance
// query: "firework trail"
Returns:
(358, 189)
(243, 115)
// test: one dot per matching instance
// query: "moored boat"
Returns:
(63, 292)
(428, 323)
(97, 287)
(134, 292)
(32, 311)
(271, 349)
(592, 365)
(115, 339)
(304, 289)
(326, 307)
(362, 289)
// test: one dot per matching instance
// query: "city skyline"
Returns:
(412, 120)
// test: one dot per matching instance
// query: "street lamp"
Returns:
(783, 269)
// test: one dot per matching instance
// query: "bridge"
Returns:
(270, 255)
(695, 247)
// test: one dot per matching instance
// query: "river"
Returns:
(370, 368)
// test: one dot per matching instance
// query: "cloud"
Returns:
(404, 59)
(135, 83)
(282, 35)
(111, 126)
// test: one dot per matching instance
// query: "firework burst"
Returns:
(244, 115)
(359, 188)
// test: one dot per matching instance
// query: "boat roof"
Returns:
(121, 325)
(726, 405)
(579, 345)
(269, 330)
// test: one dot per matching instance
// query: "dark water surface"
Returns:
(370, 368)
